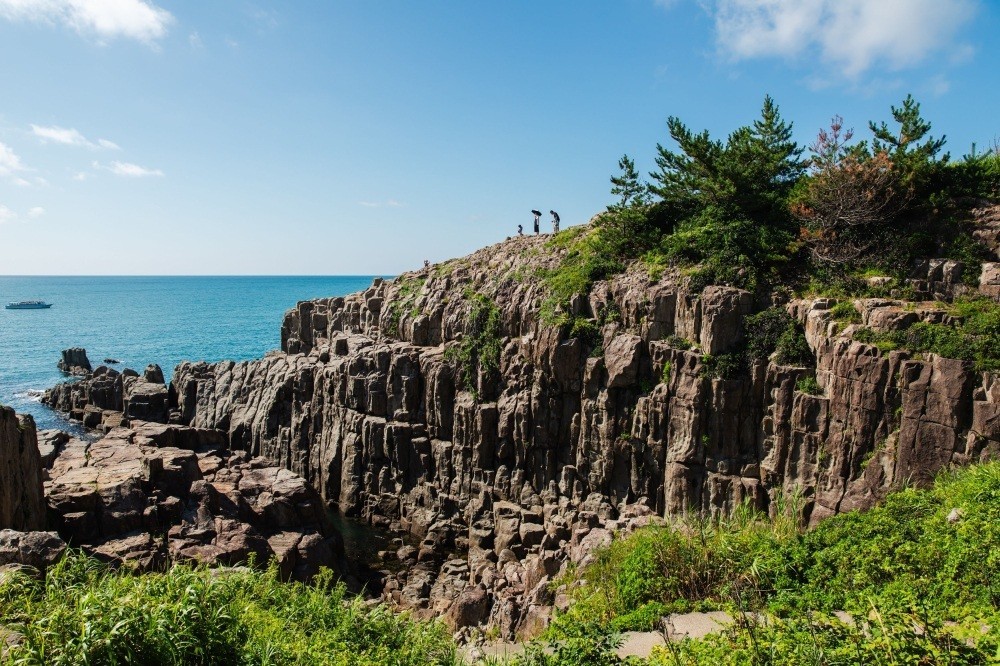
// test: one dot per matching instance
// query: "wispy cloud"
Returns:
(11, 165)
(130, 170)
(140, 20)
(8, 215)
(390, 203)
(70, 137)
(849, 36)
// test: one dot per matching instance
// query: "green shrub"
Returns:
(479, 352)
(722, 366)
(762, 331)
(85, 613)
(808, 384)
(665, 374)
(974, 337)
(898, 566)
(792, 348)
(677, 342)
(844, 311)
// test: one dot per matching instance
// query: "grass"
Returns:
(86, 613)
(973, 335)
(898, 566)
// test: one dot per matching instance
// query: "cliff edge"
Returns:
(454, 404)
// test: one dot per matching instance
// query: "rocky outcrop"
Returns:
(35, 550)
(22, 505)
(106, 398)
(153, 493)
(74, 361)
(536, 464)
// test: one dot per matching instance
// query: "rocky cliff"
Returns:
(521, 468)
(22, 504)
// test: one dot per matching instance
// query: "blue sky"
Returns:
(236, 137)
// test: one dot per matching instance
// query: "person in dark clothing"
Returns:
(520, 230)
(537, 214)
(555, 221)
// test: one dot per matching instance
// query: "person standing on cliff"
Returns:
(520, 230)
(537, 214)
(555, 221)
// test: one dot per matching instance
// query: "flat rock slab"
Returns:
(639, 643)
(695, 625)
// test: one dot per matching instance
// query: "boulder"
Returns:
(38, 550)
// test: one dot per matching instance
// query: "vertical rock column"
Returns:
(22, 500)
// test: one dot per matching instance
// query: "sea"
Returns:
(141, 320)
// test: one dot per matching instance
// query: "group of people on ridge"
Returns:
(538, 214)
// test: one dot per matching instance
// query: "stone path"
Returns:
(634, 643)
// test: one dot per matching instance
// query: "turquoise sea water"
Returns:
(142, 320)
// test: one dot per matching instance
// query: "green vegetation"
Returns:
(922, 587)
(749, 211)
(85, 613)
(973, 336)
(478, 355)
(808, 384)
(846, 312)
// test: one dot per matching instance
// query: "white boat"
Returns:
(28, 305)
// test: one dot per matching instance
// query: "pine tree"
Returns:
(631, 192)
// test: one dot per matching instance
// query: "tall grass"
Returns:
(920, 575)
(84, 613)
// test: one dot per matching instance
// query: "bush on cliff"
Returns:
(924, 558)
(973, 335)
(743, 211)
(85, 613)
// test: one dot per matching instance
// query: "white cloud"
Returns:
(851, 36)
(390, 203)
(36, 212)
(134, 19)
(70, 137)
(194, 41)
(9, 161)
(21, 182)
(6, 214)
(81, 175)
(130, 170)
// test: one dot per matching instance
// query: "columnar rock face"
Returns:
(22, 505)
(528, 466)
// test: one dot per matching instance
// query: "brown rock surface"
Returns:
(22, 505)
(117, 497)
(543, 462)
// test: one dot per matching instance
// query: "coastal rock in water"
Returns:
(74, 361)
(107, 398)
(22, 504)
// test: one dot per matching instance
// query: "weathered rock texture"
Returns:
(154, 493)
(531, 467)
(74, 361)
(22, 504)
(105, 398)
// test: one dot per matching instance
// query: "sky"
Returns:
(361, 137)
